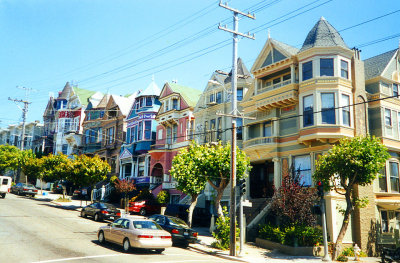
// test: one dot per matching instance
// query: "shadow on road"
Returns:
(116, 248)
(65, 207)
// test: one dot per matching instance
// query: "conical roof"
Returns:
(66, 92)
(323, 34)
(242, 71)
(152, 89)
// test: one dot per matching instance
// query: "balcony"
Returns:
(272, 87)
(169, 185)
(280, 95)
(259, 141)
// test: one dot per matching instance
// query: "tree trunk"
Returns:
(191, 208)
(220, 191)
(349, 209)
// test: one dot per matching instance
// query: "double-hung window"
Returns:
(345, 109)
(326, 67)
(149, 101)
(344, 69)
(302, 165)
(175, 132)
(147, 130)
(140, 131)
(388, 122)
(219, 97)
(212, 130)
(175, 104)
(308, 110)
(169, 135)
(328, 108)
(110, 135)
(394, 177)
(307, 70)
(239, 131)
(395, 89)
(87, 136)
(219, 128)
(239, 94)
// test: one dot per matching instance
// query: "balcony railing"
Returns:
(169, 185)
(271, 87)
(259, 141)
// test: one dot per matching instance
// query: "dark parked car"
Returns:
(100, 211)
(201, 216)
(145, 207)
(181, 233)
(24, 189)
(82, 193)
(59, 186)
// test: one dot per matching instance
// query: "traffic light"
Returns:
(242, 186)
(320, 189)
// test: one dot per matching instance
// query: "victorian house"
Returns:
(212, 124)
(175, 130)
(49, 123)
(141, 132)
(113, 128)
(303, 101)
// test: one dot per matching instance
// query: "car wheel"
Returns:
(185, 244)
(83, 214)
(97, 217)
(126, 245)
(142, 212)
(159, 251)
(3, 196)
(101, 237)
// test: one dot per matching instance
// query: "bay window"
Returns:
(175, 132)
(307, 70)
(326, 67)
(344, 69)
(147, 130)
(140, 131)
(328, 108)
(394, 177)
(345, 110)
(395, 89)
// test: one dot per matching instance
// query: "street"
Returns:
(38, 231)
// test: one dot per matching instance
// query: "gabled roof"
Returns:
(49, 111)
(273, 45)
(323, 34)
(375, 66)
(123, 103)
(83, 95)
(103, 102)
(242, 71)
(190, 95)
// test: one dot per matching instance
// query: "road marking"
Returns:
(188, 260)
(77, 258)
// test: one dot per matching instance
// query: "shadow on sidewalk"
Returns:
(66, 207)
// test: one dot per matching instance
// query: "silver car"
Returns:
(137, 232)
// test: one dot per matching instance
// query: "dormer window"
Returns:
(326, 67)
(175, 104)
(149, 101)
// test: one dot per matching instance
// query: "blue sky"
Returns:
(116, 46)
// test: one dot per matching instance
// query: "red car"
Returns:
(144, 207)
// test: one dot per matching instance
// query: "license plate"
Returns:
(111, 217)
(185, 233)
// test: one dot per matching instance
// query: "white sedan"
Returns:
(137, 232)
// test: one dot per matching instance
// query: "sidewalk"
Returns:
(53, 198)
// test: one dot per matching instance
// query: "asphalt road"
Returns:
(38, 231)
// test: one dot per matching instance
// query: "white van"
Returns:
(5, 185)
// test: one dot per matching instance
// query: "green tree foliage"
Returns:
(56, 167)
(87, 171)
(217, 165)
(355, 161)
(9, 158)
(222, 233)
(162, 197)
(187, 171)
(32, 167)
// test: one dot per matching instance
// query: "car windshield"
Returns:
(145, 225)
(30, 185)
(177, 222)
(103, 205)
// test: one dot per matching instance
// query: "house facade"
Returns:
(174, 131)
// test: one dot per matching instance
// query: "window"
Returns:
(110, 135)
(87, 135)
(175, 132)
(175, 104)
(308, 108)
(189, 129)
(64, 149)
(302, 164)
(140, 131)
(384, 221)
(286, 77)
(326, 67)
(239, 94)
(147, 130)
(149, 101)
(394, 176)
(328, 108)
(395, 90)
(169, 133)
(212, 97)
(307, 70)
(128, 135)
(382, 181)
(93, 136)
(100, 135)
(267, 129)
(276, 81)
(219, 128)
(388, 117)
(133, 133)
(205, 132)
(239, 131)
(219, 97)
(160, 132)
(346, 110)
(167, 105)
(212, 129)
(344, 69)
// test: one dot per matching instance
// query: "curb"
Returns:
(218, 255)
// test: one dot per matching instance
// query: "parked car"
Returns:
(137, 232)
(181, 233)
(201, 216)
(24, 189)
(58, 187)
(82, 193)
(144, 207)
(100, 211)
(5, 185)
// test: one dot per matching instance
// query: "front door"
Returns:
(262, 180)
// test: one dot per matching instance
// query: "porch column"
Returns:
(137, 167)
(132, 167)
(277, 169)
(292, 74)
(121, 174)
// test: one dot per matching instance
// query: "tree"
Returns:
(9, 158)
(351, 162)
(217, 166)
(56, 167)
(124, 186)
(293, 202)
(187, 171)
(32, 167)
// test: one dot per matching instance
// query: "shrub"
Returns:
(349, 252)
(342, 258)
(304, 236)
(222, 233)
(162, 197)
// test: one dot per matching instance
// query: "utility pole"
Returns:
(24, 112)
(232, 246)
